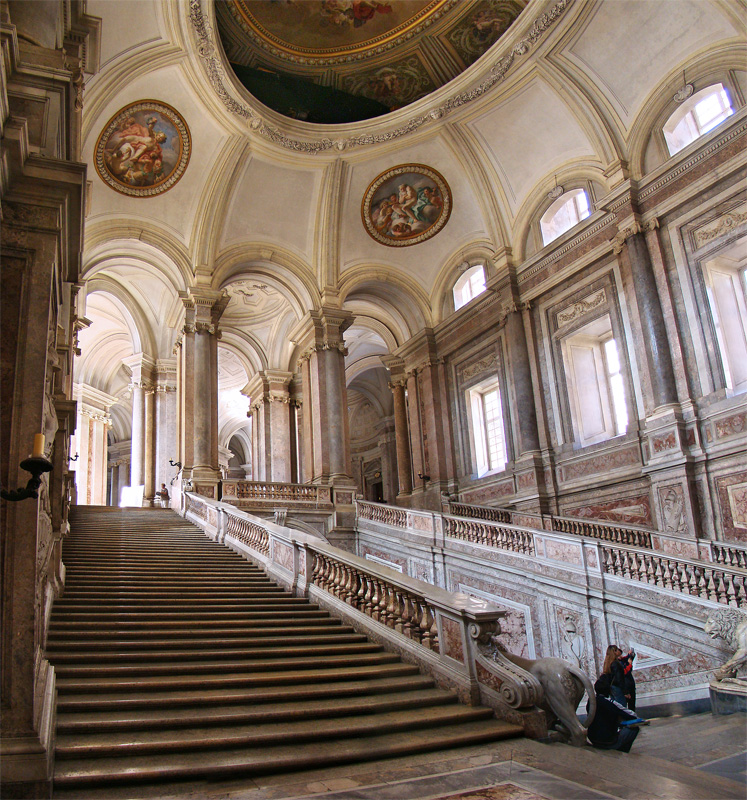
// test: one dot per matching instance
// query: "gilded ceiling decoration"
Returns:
(406, 205)
(144, 149)
(385, 54)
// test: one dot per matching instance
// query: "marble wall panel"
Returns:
(732, 498)
(451, 639)
(634, 510)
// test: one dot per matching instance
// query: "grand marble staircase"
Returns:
(178, 660)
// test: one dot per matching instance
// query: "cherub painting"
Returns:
(145, 146)
(406, 205)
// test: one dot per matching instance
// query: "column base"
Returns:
(25, 768)
(204, 481)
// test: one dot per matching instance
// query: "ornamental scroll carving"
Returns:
(483, 365)
(722, 225)
(573, 312)
(517, 687)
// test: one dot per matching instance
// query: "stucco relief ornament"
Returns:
(144, 149)
(406, 205)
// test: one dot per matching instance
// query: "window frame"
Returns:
(479, 437)
(556, 206)
(687, 111)
(593, 333)
(464, 280)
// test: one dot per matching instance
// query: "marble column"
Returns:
(165, 422)
(388, 449)
(526, 438)
(137, 458)
(653, 329)
(199, 388)
(416, 433)
(93, 423)
(327, 448)
(149, 455)
(402, 436)
(271, 427)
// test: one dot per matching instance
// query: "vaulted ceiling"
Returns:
(269, 207)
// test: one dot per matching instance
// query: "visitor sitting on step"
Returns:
(614, 727)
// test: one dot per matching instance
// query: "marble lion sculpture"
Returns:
(564, 685)
(730, 625)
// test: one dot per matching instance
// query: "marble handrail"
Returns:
(490, 534)
(697, 578)
(294, 493)
(727, 553)
(444, 632)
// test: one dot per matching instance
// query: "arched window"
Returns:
(469, 285)
(568, 210)
(696, 116)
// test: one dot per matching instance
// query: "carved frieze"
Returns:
(581, 307)
(723, 225)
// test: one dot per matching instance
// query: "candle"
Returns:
(38, 445)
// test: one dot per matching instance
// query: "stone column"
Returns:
(272, 430)
(149, 455)
(137, 459)
(165, 422)
(199, 379)
(91, 437)
(402, 436)
(307, 432)
(631, 245)
(388, 448)
(416, 434)
(325, 394)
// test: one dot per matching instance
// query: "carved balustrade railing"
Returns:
(286, 492)
(381, 599)
(490, 534)
(250, 533)
(451, 636)
(729, 554)
(699, 579)
(637, 537)
(389, 515)
(481, 512)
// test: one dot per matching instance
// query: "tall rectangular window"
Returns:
(487, 430)
(596, 387)
(727, 294)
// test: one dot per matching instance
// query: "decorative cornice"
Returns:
(207, 49)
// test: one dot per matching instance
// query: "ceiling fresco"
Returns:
(298, 56)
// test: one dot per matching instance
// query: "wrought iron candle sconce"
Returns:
(37, 466)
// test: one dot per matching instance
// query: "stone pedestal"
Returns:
(728, 696)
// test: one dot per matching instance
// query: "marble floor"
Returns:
(697, 757)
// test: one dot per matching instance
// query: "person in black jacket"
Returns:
(614, 727)
(623, 683)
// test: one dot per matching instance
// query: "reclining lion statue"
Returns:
(563, 685)
(729, 624)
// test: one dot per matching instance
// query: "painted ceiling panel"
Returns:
(424, 260)
(272, 203)
(528, 136)
(177, 207)
(628, 46)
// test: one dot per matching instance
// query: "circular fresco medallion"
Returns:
(406, 205)
(144, 149)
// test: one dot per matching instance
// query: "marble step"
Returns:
(128, 743)
(98, 721)
(249, 761)
(271, 662)
(208, 697)
(279, 677)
